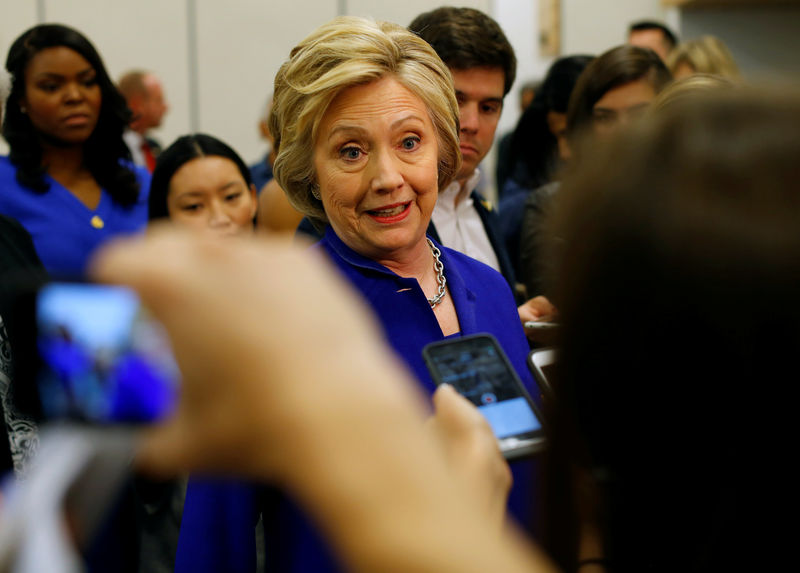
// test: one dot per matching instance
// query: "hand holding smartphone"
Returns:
(102, 357)
(479, 370)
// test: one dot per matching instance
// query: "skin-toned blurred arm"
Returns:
(327, 412)
(275, 213)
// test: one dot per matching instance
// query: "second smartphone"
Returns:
(479, 370)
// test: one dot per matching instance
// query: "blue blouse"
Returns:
(66, 232)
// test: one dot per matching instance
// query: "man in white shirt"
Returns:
(483, 66)
(145, 97)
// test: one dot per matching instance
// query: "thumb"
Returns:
(455, 414)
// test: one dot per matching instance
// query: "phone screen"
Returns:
(479, 370)
(102, 357)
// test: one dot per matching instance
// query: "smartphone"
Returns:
(541, 363)
(102, 357)
(479, 370)
(542, 324)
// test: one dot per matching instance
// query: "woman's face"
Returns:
(62, 96)
(557, 124)
(209, 194)
(376, 162)
(620, 105)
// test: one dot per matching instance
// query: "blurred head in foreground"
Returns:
(673, 410)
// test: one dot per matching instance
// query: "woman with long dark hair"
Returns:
(612, 92)
(68, 177)
(538, 147)
(538, 142)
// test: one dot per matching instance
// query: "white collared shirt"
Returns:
(134, 142)
(459, 226)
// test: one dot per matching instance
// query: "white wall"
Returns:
(240, 46)
(594, 26)
(764, 41)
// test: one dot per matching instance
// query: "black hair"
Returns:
(185, 149)
(645, 25)
(466, 38)
(104, 150)
(534, 148)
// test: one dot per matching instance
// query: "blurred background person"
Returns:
(689, 88)
(527, 93)
(538, 147)
(261, 171)
(68, 178)
(4, 89)
(145, 98)
(202, 183)
(18, 428)
(705, 55)
(276, 214)
(654, 35)
(539, 140)
(614, 90)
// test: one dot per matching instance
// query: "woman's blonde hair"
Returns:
(705, 55)
(693, 86)
(350, 51)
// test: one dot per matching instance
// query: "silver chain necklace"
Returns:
(438, 266)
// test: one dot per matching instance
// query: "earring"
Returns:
(315, 192)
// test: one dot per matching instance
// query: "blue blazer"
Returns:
(483, 302)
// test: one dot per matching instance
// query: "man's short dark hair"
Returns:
(466, 38)
(669, 36)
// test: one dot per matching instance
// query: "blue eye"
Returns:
(410, 143)
(350, 153)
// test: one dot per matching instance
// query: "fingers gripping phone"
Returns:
(479, 370)
(102, 357)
